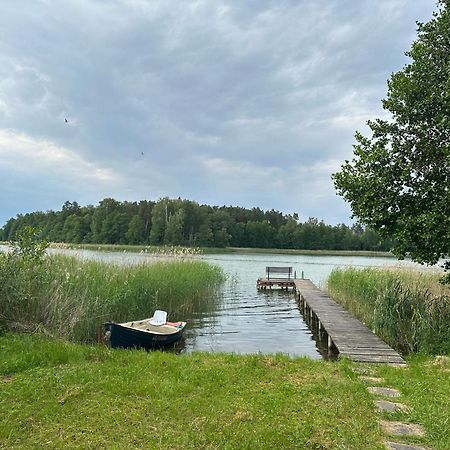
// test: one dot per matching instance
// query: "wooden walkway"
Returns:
(282, 283)
(285, 278)
(348, 335)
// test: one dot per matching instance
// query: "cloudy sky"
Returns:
(249, 103)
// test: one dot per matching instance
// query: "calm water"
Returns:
(247, 320)
(251, 321)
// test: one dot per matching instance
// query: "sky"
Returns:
(248, 103)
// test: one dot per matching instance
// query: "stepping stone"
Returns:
(6, 378)
(387, 392)
(395, 446)
(371, 379)
(363, 370)
(402, 429)
(398, 365)
(385, 406)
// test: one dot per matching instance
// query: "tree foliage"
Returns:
(398, 182)
(184, 222)
(28, 246)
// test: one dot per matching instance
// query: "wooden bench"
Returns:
(282, 272)
(282, 277)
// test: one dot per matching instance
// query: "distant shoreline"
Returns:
(289, 251)
(218, 250)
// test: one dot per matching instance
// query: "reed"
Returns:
(407, 308)
(69, 298)
(175, 251)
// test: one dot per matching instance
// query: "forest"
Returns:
(185, 222)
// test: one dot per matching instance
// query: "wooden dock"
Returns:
(282, 283)
(285, 279)
(343, 332)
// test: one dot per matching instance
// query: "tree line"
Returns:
(184, 222)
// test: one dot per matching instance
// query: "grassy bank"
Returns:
(410, 310)
(215, 250)
(60, 395)
(71, 298)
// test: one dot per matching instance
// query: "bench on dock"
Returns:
(283, 272)
(282, 277)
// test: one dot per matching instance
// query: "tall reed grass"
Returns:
(69, 298)
(409, 309)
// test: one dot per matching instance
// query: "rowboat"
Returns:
(154, 332)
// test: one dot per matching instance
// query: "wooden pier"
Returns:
(284, 278)
(343, 332)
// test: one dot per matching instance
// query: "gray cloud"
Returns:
(249, 103)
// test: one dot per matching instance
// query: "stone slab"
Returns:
(398, 365)
(396, 446)
(363, 370)
(391, 407)
(371, 379)
(386, 392)
(402, 429)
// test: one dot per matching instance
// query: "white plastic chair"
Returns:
(159, 318)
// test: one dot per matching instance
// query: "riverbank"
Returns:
(61, 395)
(171, 250)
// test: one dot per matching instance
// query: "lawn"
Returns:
(56, 394)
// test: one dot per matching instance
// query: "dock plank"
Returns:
(351, 337)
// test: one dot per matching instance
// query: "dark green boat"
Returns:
(143, 333)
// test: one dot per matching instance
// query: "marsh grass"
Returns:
(173, 251)
(70, 298)
(409, 309)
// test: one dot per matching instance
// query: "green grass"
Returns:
(97, 397)
(425, 390)
(59, 395)
(71, 298)
(409, 309)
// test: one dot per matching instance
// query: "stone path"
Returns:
(371, 379)
(396, 446)
(384, 391)
(389, 427)
(402, 429)
(391, 407)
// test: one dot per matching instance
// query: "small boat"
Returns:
(154, 332)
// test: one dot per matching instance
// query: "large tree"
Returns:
(398, 182)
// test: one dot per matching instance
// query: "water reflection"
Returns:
(251, 321)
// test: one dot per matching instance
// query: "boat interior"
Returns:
(145, 325)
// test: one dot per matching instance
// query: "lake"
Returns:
(263, 321)
(247, 320)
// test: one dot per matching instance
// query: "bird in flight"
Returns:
(142, 153)
(66, 120)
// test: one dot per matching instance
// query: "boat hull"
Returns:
(125, 337)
